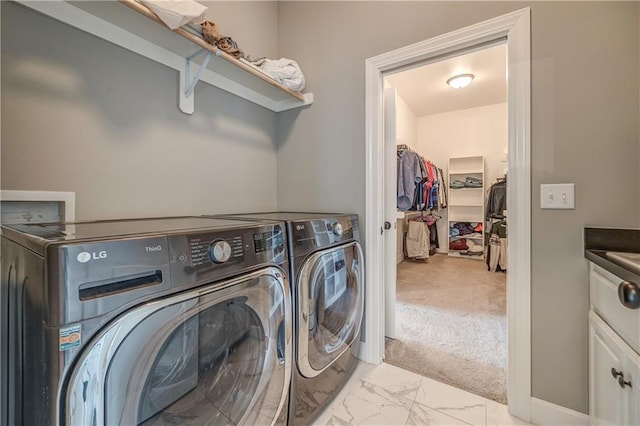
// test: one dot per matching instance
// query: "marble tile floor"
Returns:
(387, 395)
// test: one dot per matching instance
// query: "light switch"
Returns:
(557, 196)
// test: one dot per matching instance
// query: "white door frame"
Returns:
(515, 27)
(390, 191)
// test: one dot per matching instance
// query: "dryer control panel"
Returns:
(310, 235)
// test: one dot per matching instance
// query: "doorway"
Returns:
(448, 319)
(515, 27)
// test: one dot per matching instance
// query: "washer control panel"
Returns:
(269, 240)
(225, 252)
(217, 250)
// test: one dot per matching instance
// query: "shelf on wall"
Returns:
(144, 34)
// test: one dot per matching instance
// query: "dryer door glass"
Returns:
(219, 354)
(330, 298)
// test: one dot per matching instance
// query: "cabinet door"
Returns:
(632, 370)
(606, 355)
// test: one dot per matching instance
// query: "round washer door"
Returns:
(218, 354)
(330, 301)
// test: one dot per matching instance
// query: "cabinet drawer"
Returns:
(603, 288)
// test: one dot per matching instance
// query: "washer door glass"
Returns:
(219, 354)
(330, 300)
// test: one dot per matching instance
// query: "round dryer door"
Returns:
(330, 300)
(219, 354)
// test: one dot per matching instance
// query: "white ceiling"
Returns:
(425, 88)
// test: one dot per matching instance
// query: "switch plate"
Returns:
(557, 196)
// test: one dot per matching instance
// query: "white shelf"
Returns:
(466, 204)
(466, 237)
(465, 172)
(465, 214)
(465, 219)
(455, 253)
(144, 34)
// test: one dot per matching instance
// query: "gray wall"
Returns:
(82, 115)
(585, 128)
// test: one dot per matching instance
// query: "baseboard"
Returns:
(547, 414)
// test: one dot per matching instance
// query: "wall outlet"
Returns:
(557, 196)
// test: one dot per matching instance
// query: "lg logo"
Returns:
(85, 256)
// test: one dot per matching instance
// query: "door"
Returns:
(330, 301)
(516, 27)
(390, 207)
(218, 354)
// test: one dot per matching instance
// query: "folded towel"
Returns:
(473, 182)
(176, 13)
(285, 71)
(457, 183)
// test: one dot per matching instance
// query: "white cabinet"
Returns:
(614, 366)
(613, 376)
(466, 200)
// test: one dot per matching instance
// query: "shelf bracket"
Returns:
(188, 82)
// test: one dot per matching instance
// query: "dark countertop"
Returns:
(600, 241)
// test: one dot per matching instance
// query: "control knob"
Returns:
(219, 251)
(337, 229)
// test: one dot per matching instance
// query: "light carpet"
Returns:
(451, 324)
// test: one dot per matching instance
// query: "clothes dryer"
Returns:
(146, 321)
(327, 275)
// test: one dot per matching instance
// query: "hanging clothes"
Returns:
(421, 239)
(417, 240)
(420, 182)
(497, 200)
(497, 252)
(442, 193)
(433, 238)
(432, 186)
(408, 170)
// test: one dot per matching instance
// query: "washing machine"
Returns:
(327, 276)
(183, 320)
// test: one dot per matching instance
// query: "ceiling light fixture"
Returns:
(460, 81)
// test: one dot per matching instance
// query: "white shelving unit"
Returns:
(131, 25)
(466, 204)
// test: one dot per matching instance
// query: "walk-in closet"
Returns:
(452, 173)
